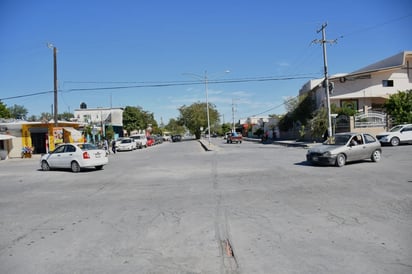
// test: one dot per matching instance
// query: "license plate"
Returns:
(314, 158)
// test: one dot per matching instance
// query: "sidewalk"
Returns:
(287, 143)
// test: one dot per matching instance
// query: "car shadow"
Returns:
(306, 163)
(83, 170)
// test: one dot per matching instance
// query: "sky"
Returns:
(158, 54)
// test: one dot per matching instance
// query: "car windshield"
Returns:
(338, 140)
(87, 146)
(126, 141)
(397, 128)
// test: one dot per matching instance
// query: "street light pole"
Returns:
(207, 108)
(205, 79)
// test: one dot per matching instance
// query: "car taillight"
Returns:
(86, 155)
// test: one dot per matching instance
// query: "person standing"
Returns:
(106, 146)
(114, 146)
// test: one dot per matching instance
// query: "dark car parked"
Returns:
(177, 138)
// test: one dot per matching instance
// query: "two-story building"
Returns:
(101, 118)
(367, 89)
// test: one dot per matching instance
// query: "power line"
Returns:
(275, 107)
(375, 26)
(26, 95)
(167, 84)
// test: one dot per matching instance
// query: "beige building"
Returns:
(367, 88)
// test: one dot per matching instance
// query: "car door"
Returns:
(356, 152)
(68, 156)
(55, 158)
(406, 134)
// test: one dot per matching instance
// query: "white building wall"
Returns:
(99, 115)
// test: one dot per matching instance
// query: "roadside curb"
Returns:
(207, 147)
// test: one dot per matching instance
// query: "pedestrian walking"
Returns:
(114, 146)
(106, 146)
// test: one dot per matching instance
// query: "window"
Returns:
(387, 83)
(369, 138)
(407, 129)
(59, 149)
(70, 149)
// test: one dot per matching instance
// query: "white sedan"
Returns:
(74, 157)
(126, 144)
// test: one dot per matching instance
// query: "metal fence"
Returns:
(370, 119)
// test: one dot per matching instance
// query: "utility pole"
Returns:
(55, 82)
(233, 116)
(325, 64)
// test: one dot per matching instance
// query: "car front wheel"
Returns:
(395, 141)
(340, 160)
(376, 156)
(75, 166)
(45, 166)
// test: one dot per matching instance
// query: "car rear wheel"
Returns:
(376, 156)
(340, 160)
(45, 166)
(395, 141)
(99, 167)
(75, 166)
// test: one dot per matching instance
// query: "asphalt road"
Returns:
(242, 208)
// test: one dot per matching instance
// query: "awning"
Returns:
(6, 137)
(76, 135)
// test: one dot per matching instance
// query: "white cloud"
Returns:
(283, 64)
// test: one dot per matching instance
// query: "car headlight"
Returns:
(327, 154)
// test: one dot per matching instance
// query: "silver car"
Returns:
(345, 147)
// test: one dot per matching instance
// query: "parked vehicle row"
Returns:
(140, 139)
(137, 141)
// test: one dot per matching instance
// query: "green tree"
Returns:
(87, 132)
(135, 118)
(300, 109)
(194, 117)
(319, 123)
(226, 127)
(45, 116)
(175, 127)
(399, 107)
(32, 118)
(4, 112)
(18, 112)
(109, 132)
(65, 116)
